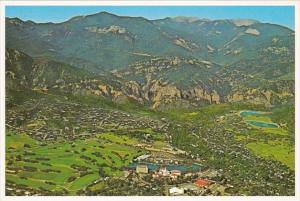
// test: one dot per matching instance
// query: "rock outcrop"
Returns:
(252, 31)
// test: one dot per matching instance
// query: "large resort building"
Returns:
(142, 169)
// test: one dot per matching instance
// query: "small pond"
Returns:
(247, 113)
(263, 124)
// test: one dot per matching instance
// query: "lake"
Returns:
(263, 124)
(260, 124)
(247, 113)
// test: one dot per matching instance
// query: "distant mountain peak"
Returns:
(244, 22)
(98, 14)
(18, 21)
(102, 13)
(188, 19)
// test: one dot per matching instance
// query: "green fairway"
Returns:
(66, 165)
(82, 182)
(117, 139)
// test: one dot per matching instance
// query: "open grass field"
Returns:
(68, 166)
(281, 152)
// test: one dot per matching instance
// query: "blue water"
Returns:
(263, 124)
(260, 124)
(247, 113)
(170, 167)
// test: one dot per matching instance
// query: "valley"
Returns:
(48, 155)
(114, 105)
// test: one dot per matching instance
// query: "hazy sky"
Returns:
(283, 15)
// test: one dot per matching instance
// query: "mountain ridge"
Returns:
(164, 61)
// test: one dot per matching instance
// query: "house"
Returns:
(189, 174)
(155, 175)
(176, 191)
(175, 173)
(190, 187)
(173, 176)
(202, 182)
(143, 169)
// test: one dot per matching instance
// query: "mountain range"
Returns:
(171, 62)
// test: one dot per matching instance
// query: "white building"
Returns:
(176, 191)
(142, 169)
(164, 172)
(142, 157)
